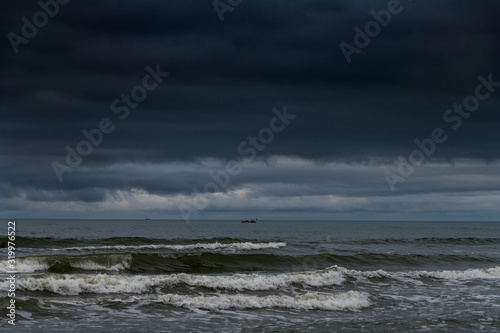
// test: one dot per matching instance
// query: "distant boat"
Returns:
(148, 219)
(250, 221)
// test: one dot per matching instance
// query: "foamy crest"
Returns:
(93, 266)
(470, 274)
(203, 246)
(67, 284)
(25, 265)
(351, 300)
(366, 274)
(259, 281)
(114, 263)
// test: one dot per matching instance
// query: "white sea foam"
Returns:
(66, 284)
(74, 284)
(202, 246)
(469, 274)
(28, 265)
(487, 273)
(366, 274)
(32, 264)
(351, 300)
(260, 281)
(89, 265)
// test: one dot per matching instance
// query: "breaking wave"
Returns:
(228, 262)
(130, 242)
(351, 300)
(74, 284)
(67, 264)
(198, 246)
(469, 274)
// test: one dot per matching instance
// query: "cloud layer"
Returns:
(353, 120)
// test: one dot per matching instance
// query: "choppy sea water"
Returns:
(272, 276)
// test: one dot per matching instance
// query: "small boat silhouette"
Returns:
(250, 221)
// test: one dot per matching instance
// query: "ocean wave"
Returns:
(69, 284)
(228, 262)
(351, 300)
(67, 264)
(197, 246)
(397, 260)
(469, 274)
(75, 284)
(206, 262)
(60, 243)
(25, 265)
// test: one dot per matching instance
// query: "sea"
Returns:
(269, 276)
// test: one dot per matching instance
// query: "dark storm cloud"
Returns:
(225, 77)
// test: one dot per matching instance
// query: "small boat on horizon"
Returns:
(250, 221)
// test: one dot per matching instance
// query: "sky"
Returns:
(269, 109)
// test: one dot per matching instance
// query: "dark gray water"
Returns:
(272, 276)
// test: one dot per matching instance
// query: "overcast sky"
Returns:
(333, 148)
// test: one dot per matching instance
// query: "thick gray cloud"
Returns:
(225, 78)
